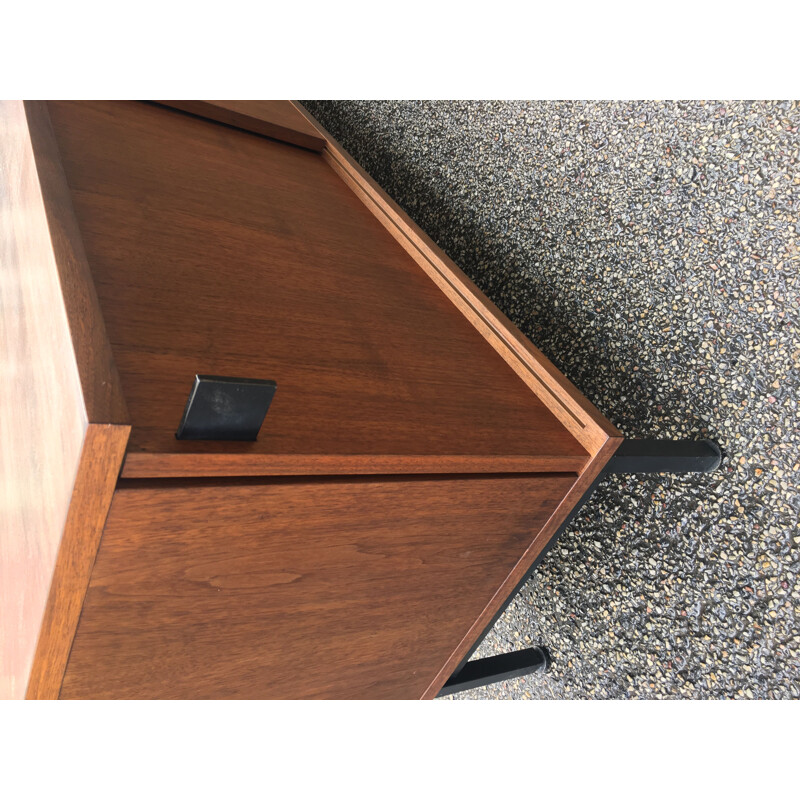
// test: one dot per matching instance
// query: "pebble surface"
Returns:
(650, 249)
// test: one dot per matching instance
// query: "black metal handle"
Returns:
(226, 409)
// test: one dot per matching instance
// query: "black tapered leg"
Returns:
(527, 576)
(484, 671)
(633, 455)
(665, 455)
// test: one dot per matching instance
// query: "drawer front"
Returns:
(219, 252)
(301, 589)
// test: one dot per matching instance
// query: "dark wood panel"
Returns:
(56, 379)
(275, 118)
(327, 589)
(219, 252)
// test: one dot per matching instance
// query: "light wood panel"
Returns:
(56, 381)
(293, 589)
(218, 252)
(101, 456)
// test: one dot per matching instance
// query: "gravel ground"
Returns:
(651, 251)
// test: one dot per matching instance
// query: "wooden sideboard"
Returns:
(417, 456)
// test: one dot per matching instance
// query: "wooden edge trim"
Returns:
(256, 120)
(556, 391)
(577, 491)
(101, 458)
(199, 465)
(100, 383)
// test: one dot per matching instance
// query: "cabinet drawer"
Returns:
(359, 588)
(219, 252)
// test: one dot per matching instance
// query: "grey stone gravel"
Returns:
(650, 249)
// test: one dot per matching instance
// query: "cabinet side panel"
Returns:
(42, 414)
(297, 589)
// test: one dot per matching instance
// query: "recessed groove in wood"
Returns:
(166, 465)
(332, 479)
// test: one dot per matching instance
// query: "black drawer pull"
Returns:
(226, 409)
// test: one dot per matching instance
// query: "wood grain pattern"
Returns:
(560, 395)
(101, 456)
(597, 434)
(515, 575)
(275, 118)
(218, 252)
(53, 380)
(297, 589)
(286, 588)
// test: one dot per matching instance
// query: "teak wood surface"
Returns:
(218, 252)
(297, 589)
